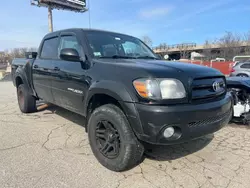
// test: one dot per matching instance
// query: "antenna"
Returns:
(89, 14)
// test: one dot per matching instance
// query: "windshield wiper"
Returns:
(147, 57)
(118, 57)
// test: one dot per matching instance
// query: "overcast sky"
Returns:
(169, 21)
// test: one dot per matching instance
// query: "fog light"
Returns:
(168, 132)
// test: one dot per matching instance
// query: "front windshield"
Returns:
(111, 45)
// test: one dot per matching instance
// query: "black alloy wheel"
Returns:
(112, 139)
(108, 139)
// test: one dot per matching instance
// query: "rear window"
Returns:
(50, 48)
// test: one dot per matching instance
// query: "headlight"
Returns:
(160, 88)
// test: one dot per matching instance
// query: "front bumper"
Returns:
(190, 121)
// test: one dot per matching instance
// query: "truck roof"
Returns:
(55, 33)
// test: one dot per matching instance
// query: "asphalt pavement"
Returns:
(50, 149)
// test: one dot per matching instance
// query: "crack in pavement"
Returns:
(18, 146)
(63, 148)
(164, 171)
(136, 173)
(143, 176)
(48, 137)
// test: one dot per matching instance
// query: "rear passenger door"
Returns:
(70, 83)
(43, 68)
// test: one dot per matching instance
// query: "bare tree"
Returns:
(161, 46)
(7, 56)
(230, 45)
(246, 39)
(147, 40)
(16, 53)
(184, 50)
(22, 52)
(32, 49)
(2, 57)
(207, 51)
(165, 46)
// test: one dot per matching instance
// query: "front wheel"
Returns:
(112, 139)
(26, 102)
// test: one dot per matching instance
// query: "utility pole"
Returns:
(71, 5)
(50, 18)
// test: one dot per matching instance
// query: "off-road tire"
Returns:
(26, 102)
(130, 151)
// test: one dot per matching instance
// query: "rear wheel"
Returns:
(112, 139)
(242, 75)
(26, 102)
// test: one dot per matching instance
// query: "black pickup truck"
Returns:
(127, 94)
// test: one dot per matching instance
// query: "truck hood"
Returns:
(160, 66)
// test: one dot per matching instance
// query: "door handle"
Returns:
(56, 68)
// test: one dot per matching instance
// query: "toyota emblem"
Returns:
(216, 86)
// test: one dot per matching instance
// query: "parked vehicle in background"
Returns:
(128, 95)
(239, 87)
(241, 69)
(236, 63)
(218, 60)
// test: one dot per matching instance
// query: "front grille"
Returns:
(204, 88)
(221, 118)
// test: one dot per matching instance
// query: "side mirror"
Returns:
(70, 54)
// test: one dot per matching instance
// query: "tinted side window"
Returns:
(50, 48)
(70, 42)
(245, 66)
